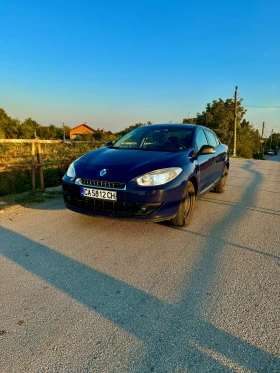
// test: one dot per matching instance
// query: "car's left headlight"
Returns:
(159, 177)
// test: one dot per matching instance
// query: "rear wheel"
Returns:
(186, 208)
(221, 186)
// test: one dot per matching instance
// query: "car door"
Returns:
(218, 158)
(204, 162)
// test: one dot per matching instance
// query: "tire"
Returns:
(186, 208)
(221, 186)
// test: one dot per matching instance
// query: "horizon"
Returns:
(116, 64)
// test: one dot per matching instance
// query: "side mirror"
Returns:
(206, 149)
(108, 143)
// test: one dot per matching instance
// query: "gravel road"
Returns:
(85, 294)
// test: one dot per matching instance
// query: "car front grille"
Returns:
(102, 184)
(101, 206)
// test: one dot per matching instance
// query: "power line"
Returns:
(252, 116)
(253, 120)
(263, 107)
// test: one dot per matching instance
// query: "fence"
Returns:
(36, 164)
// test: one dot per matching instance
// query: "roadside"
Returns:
(29, 197)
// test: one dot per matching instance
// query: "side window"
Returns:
(218, 141)
(211, 139)
(200, 140)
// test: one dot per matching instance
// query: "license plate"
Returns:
(99, 194)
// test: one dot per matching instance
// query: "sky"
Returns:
(115, 63)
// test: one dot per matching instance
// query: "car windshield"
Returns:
(156, 138)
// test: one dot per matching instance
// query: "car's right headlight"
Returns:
(71, 171)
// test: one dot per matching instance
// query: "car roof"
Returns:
(170, 125)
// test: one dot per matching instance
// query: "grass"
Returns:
(28, 198)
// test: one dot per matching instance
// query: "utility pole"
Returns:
(271, 137)
(262, 130)
(277, 141)
(235, 117)
(63, 131)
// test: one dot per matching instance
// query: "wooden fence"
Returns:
(35, 161)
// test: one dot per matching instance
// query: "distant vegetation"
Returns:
(218, 116)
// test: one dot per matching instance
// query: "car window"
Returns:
(168, 139)
(165, 138)
(200, 140)
(217, 139)
(212, 140)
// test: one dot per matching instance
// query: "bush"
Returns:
(15, 181)
(53, 175)
(245, 151)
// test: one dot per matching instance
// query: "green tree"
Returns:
(12, 130)
(2, 133)
(52, 131)
(219, 116)
(28, 129)
(189, 120)
(98, 135)
(274, 140)
(9, 127)
(110, 136)
(3, 115)
(248, 140)
(43, 132)
(59, 132)
(130, 128)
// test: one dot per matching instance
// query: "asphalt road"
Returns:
(85, 294)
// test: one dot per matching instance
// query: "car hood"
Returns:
(124, 164)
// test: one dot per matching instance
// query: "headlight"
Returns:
(71, 171)
(159, 177)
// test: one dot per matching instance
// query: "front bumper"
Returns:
(161, 204)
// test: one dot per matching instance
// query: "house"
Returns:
(81, 130)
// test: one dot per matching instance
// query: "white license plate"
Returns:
(98, 193)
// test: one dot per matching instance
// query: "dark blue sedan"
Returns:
(152, 173)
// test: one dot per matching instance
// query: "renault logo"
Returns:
(103, 172)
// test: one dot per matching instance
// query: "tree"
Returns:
(12, 129)
(52, 131)
(43, 132)
(28, 129)
(219, 116)
(130, 128)
(189, 120)
(248, 140)
(3, 115)
(9, 127)
(2, 133)
(59, 132)
(98, 135)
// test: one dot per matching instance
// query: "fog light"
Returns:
(142, 209)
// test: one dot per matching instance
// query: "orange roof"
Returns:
(83, 124)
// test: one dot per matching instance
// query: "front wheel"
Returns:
(186, 208)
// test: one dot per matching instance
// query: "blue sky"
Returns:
(114, 63)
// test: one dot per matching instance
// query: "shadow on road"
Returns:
(175, 335)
